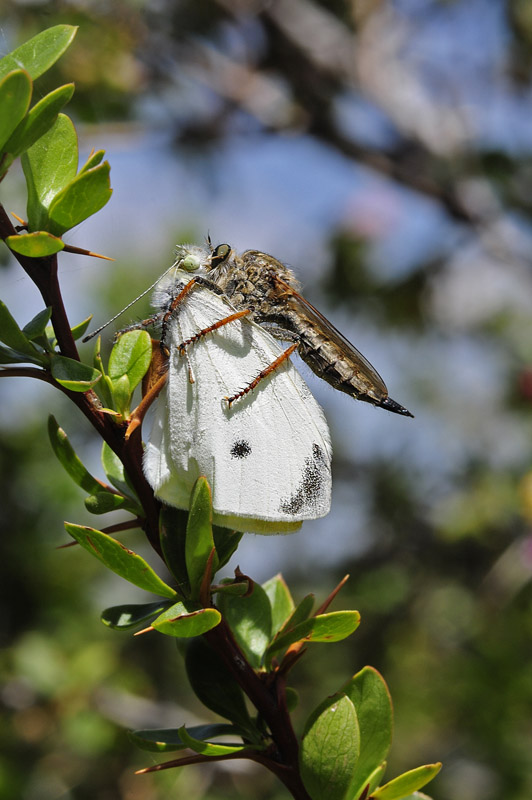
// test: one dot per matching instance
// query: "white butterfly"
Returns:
(266, 453)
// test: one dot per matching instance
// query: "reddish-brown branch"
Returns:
(43, 271)
(268, 699)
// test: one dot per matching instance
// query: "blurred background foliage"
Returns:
(385, 149)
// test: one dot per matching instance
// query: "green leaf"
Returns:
(72, 374)
(332, 627)
(119, 559)
(302, 611)
(215, 686)
(199, 542)
(39, 120)
(371, 698)
(49, 165)
(238, 588)
(69, 460)
(371, 783)
(209, 749)
(93, 160)
(172, 535)
(130, 616)
(103, 502)
(114, 470)
(81, 198)
(79, 329)
(226, 542)
(329, 749)
(187, 620)
(130, 356)
(11, 334)
(9, 356)
(164, 739)
(121, 392)
(280, 600)
(407, 783)
(15, 96)
(39, 53)
(36, 327)
(250, 619)
(35, 245)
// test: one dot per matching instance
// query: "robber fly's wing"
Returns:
(348, 350)
(267, 457)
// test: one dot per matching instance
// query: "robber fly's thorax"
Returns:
(251, 281)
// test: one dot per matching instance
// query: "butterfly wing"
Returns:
(267, 457)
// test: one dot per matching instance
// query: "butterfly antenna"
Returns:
(109, 321)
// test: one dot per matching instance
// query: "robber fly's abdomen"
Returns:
(329, 362)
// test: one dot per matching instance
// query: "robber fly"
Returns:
(269, 289)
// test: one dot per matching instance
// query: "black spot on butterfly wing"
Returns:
(308, 493)
(240, 449)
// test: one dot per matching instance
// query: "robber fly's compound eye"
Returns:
(219, 254)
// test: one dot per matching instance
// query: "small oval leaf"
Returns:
(407, 783)
(119, 559)
(250, 619)
(69, 460)
(329, 748)
(210, 749)
(39, 119)
(36, 327)
(93, 160)
(11, 334)
(187, 620)
(35, 245)
(131, 356)
(40, 52)
(130, 616)
(81, 198)
(79, 329)
(199, 542)
(332, 627)
(280, 600)
(163, 740)
(371, 698)
(15, 96)
(72, 374)
(226, 542)
(103, 502)
(114, 470)
(49, 165)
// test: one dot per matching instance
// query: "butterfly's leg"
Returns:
(152, 386)
(139, 326)
(262, 374)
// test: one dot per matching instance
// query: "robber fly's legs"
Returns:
(178, 299)
(214, 327)
(262, 374)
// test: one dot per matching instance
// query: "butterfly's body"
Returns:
(267, 454)
(260, 282)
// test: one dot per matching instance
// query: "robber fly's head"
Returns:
(222, 260)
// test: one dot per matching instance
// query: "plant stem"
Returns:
(269, 702)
